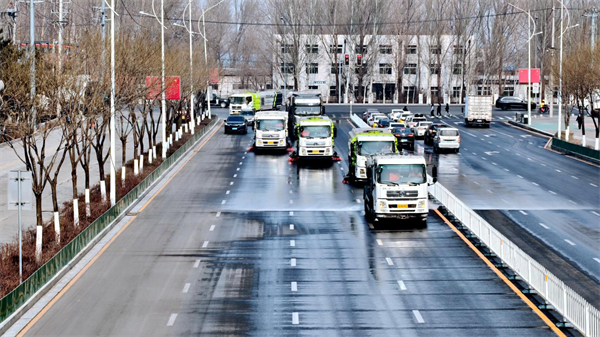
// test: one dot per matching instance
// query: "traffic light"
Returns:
(358, 59)
(347, 59)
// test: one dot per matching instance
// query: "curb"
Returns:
(23, 309)
(527, 127)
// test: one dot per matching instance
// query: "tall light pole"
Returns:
(560, 93)
(285, 66)
(163, 94)
(531, 35)
(189, 5)
(113, 147)
(32, 59)
(208, 88)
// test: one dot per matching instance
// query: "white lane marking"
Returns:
(243, 157)
(186, 288)
(295, 318)
(418, 316)
(520, 176)
(494, 164)
(483, 158)
(476, 183)
(531, 143)
(292, 262)
(205, 244)
(291, 213)
(358, 201)
(401, 285)
(474, 153)
(240, 163)
(470, 134)
(389, 261)
(557, 170)
(502, 133)
(291, 201)
(291, 192)
(231, 183)
(518, 154)
(172, 319)
(507, 170)
(291, 227)
(464, 175)
(596, 213)
(218, 214)
(371, 226)
(237, 169)
(212, 228)
(529, 159)
(294, 286)
(228, 191)
(594, 185)
(552, 192)
(541, 224)
(597, 259)
(490, 191)
(542, 164)
(223, 202)
(536, 184)
(292, 243)
(570, 242)
(196, 264)
(574, 177)
(523, 212)
(573, 202)
(235, 175)
(246, 151)
(379, 242)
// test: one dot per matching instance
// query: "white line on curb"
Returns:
(418, 316)
(295, 318)
(172, 319)
(389, 261)
(401, 285)
(186, 288)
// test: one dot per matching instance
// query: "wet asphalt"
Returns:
(248, 244)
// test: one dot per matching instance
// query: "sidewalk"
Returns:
(550, 124)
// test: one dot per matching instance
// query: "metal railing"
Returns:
(21, 294)
(580, 313)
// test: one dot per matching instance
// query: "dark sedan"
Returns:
(236, 124)
(432, 131)
(405, 137)
(383, 123)
(508, 102)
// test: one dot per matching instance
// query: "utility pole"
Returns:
(562, 32)
(592, 14)
(285, 66)
(32, 59)
(552, 66)
(113, 148)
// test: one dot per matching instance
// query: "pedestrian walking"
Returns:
(579, 120)
(447, 110)
(439, 110)
(432, 108)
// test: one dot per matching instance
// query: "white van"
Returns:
(447, 138)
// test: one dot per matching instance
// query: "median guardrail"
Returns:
(16, 298)
(583, 316)
(576, 150)
(358, 121)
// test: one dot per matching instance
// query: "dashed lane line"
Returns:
(172, 319)
(523, 212)
(418, 316)
(292, 243)
(218, 214)
(401, 285)
(294, 286)
(223, 202)
(520, 176)
(186, 288)
(552, 192)
(212, 228)
(291, 227)
(235, 175)
(596, 213)
(291, 213)
(389, 261)
(536, 184)
(379, 242)
(295, 318)
(197, 263)
(574, 177)
(597, 259)
(228, 191)
(541, 224)
(573, 202)
(570, 242)
(293, 262)
(594, 185)
(231, 183)
(205, 244)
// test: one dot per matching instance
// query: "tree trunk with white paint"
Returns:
(57, 227)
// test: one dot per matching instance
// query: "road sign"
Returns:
(535, 88)
(13, 190)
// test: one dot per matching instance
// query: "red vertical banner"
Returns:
(173, 87)
(524, 76)
(213, 76)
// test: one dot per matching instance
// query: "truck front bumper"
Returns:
(271, 143)
(401, 216)
(315, 152)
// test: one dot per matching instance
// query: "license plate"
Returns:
(315, 151)
(270, 143)
(233, 128)
(404, 140)
(479, 121)
(398, 206)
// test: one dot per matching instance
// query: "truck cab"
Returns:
(270, 130)
(315, 137)
(364, 142)
(303, 105)
(396, 187)
(238, 102)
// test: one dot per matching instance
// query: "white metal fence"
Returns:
(567, 302)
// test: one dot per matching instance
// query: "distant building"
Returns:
(232, 80)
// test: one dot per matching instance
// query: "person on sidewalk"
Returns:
(432, 108)
(447, 110)
(439, 110)
(579, 120)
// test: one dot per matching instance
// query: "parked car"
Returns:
(447, 139)
(219, 101)
(432, 131)
(509, 102)
(405, 137)
(236, 124)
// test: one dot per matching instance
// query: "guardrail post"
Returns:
(587, 319)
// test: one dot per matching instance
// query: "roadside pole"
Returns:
(19, 199)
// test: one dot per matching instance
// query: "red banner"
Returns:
(213, 76)
(173, 85)
(524, 76)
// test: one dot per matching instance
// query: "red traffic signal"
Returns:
(347, 59)
(358, 59)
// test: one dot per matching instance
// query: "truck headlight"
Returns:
(421, 204)
(258, 142)
(382, 204)
(303, 152)
(281, 142)
(362, 171)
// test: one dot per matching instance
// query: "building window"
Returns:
(361, 49)
(484, 91)
(457, 69)
(312, 48)
(334, 50)
(411, 49)
(334, 69)
(455, 92)
(459, 50)
(435, 50)
(364, 66)
(313, 87)
(410, 69)
(434, 68)
(435, 91)
(385, 49)
(385, 69)
(287, 68)
(286, 48)
(508, 91)
(312, 68)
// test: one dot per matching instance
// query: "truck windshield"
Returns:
(238, 100)
(401, 174)
(270, 125)
(315, 131)
(307, 110)
(367, 148)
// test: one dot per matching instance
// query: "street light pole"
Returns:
(191, 101)
(113, 147)
(285, 66)
(32, 59)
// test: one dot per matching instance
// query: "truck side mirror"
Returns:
(434, 174)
